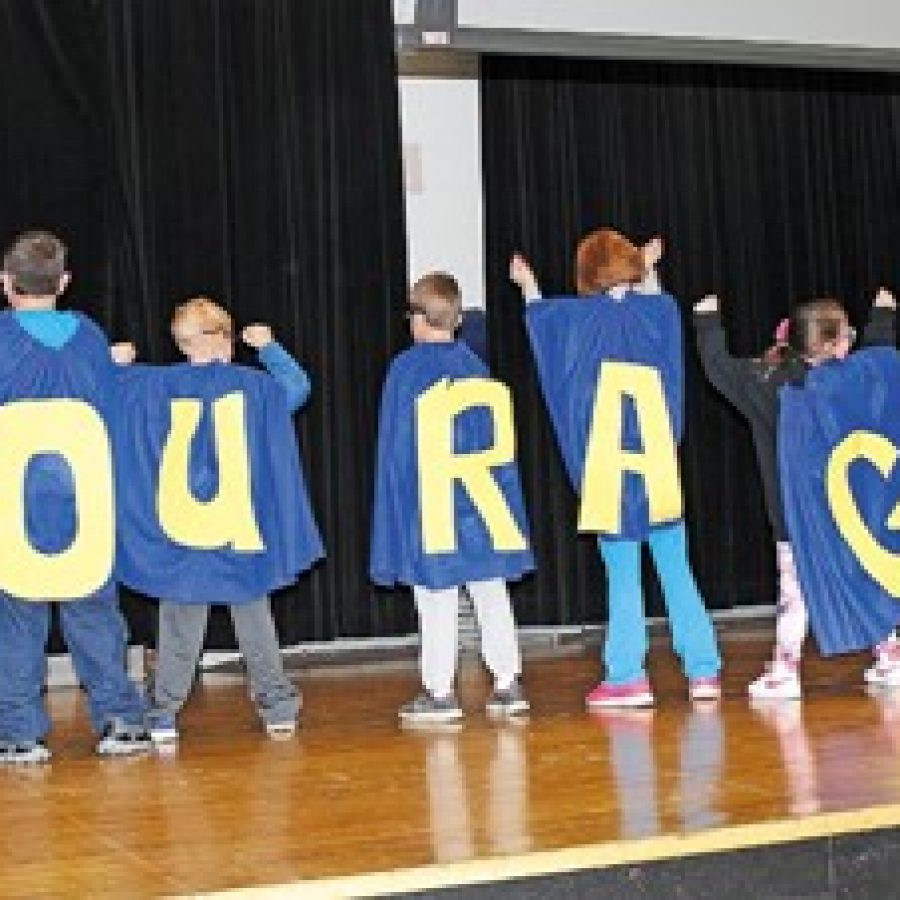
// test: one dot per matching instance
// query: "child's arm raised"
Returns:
(522, 275)
(881, 329)
(652, 253)
(728, 374)
(279, 364)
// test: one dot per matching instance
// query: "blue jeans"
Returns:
(693, 636)
(95, 633)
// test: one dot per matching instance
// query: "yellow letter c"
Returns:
(882, 564)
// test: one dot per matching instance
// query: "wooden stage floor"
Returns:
(354, 794)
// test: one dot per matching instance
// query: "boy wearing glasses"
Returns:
(448, 509)
(203, 332)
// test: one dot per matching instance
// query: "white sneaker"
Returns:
(780, 681)
(884, 673)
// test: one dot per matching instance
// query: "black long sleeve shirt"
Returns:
(752, 386)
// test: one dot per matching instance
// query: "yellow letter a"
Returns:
(605, 461)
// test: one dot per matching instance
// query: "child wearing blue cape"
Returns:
(620, 315)
(290, 541)
(409, 442)
(48, 356)
(816, 332)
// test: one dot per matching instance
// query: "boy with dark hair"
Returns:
(55, 365)
(448, 503)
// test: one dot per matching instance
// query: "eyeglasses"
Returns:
(206, 332)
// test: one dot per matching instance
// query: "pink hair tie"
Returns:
(783, 332)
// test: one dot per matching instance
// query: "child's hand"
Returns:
(257, 336)
(123, 353)
(521, 274)
(884, 299)
(652, 252)
(709, 304)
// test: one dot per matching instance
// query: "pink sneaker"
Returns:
(709, 688)
(630, 694)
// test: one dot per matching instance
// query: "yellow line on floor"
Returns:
(574, 859)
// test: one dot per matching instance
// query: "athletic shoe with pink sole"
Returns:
(630, 694)
(707, 688)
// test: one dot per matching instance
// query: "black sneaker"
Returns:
(426, 708)
(121, 739)
(27, 753)
(510, 702)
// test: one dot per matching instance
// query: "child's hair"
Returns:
(35, 262)
(437, 296)
(605, 258)
(803, 335)
(212, 318)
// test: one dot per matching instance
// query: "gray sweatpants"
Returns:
(182, 627)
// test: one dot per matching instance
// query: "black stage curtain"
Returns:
(248, 150)
(771, 186)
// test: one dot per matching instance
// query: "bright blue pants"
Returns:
(693, 636)
(96, 636)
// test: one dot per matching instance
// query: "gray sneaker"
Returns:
(426, 708)
(28, 753)
(510, 702)
(121, 739)
(163, 727)
(280, 731)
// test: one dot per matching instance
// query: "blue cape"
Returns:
(570, 338)
(397, 554)
(81, 369)
(148, 559)
(848, 609)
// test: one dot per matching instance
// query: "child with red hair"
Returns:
(618, 292)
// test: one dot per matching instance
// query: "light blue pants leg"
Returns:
(24, 627)
(97, 638)
(626, 632)
(693, 635)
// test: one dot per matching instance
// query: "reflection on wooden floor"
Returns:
(354, 794)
